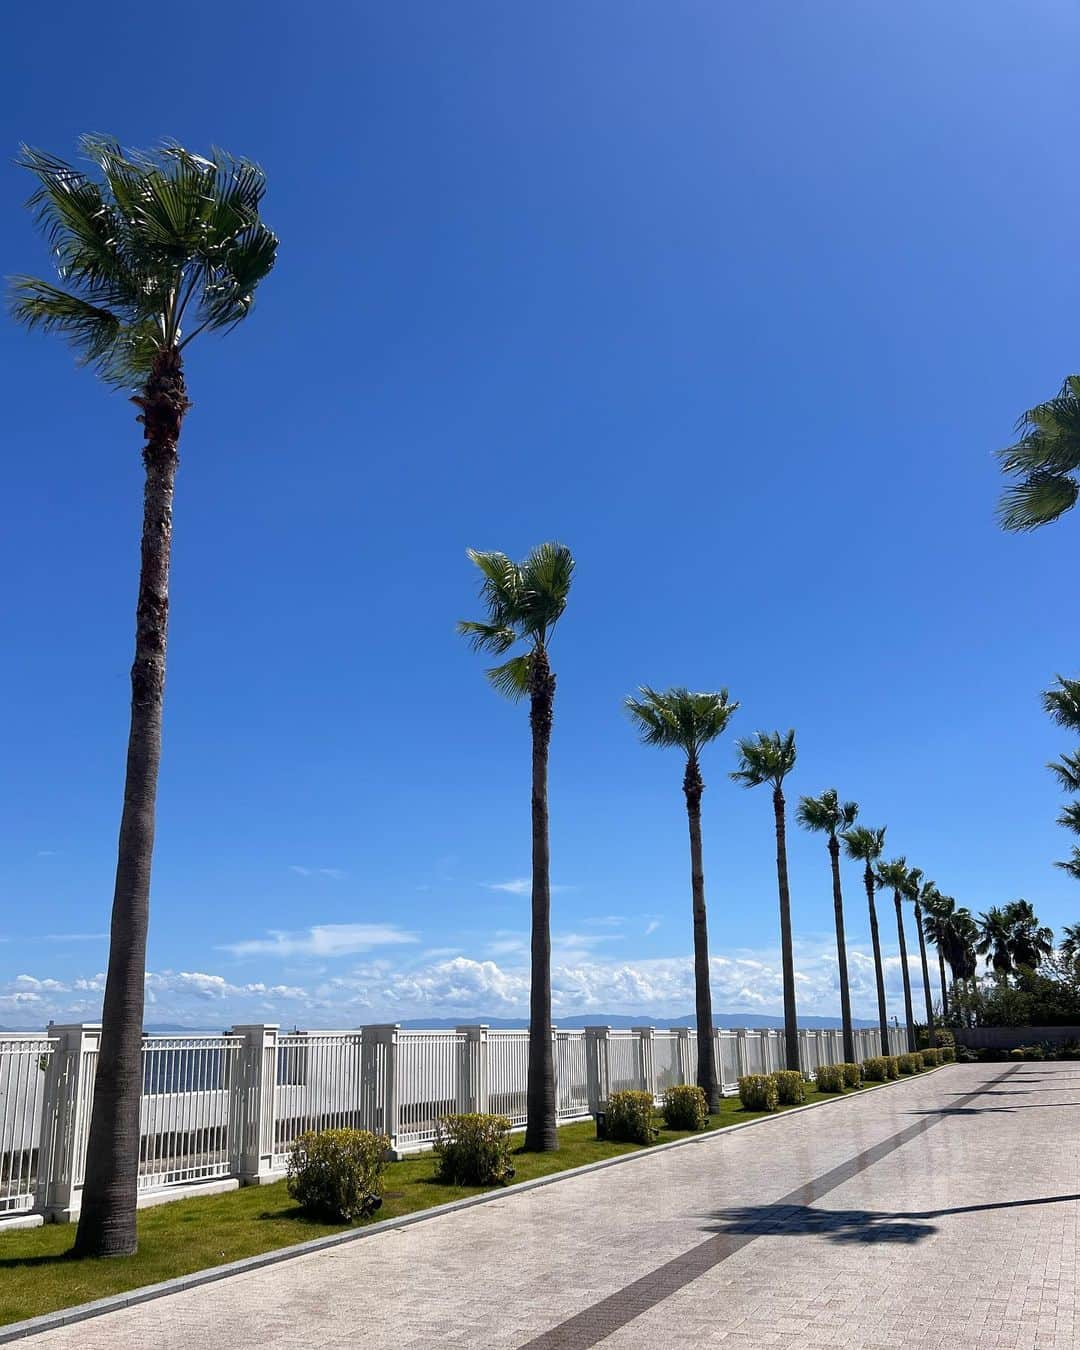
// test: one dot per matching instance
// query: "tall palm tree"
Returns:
(151, 250)
(689, 722)
(995, 940)
(828, 815)
(1030, 942)
(1070, 946)
(894, 876)
(1044, 461)
(938, 911)
(524, 603)
(866, 845)
(769, 757)
(919, 892)
(1062, 702)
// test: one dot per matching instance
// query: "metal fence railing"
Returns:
(231, 1106)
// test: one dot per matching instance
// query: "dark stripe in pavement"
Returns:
(586, 1328)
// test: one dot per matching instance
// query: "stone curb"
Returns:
(63, 1317)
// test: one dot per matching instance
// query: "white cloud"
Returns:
(447, 983)
(336, 872)
(328, 939)
(519, 886)
(74, 937)
(651, 927)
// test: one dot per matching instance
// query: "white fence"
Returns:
(217, 1107)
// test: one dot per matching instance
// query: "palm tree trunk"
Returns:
(706, 1065)
(787, 955)
(908, 1014)
(107, 1221)
(541, 1135)
(879, 970)
(944, 986)
(841, 952)
(930, 1030)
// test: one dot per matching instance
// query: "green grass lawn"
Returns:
(37, 1275)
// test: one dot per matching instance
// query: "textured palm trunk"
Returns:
(706, 1067)
(841, 951)
(787, 955)
(908, 1014)
(541, 1135)
(944, 985)
(107, 1221)
(928, 997)
(879, 970)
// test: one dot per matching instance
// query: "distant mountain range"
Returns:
(617, 1020)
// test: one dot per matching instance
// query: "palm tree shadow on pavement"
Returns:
(851, 1225)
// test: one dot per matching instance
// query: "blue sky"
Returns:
(735, 301)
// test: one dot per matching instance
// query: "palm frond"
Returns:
(524, 602)
(1070, 817)
(90, 329)
(767, 757)
(864, 844)
(1071, 865)
(1067, 771)
(150, 238)
(512, 677)
(1062, 702)
(679, 717)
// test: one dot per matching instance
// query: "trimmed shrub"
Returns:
(892, 1066)
(474, 1150)
(336, 1175)
(829, 1078)
(630, 1117)
(758, 1092)
(686, 1108)
(790, 1086)
(852, 1075)
(875, 1069)
(930, 1058)
(948, 1054)
(910, 1063)
(1028, 1052)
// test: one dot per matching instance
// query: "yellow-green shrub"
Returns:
(875, 1069)
(474, 1150)
(790, 1086)
(758, 1092)
(892, 1065)
(630, 1117)
(948, 1054)
(829, 1078)
(336, 1175)
(910, 1063)
(852, 1075)
(931, 1058)
(686, 1108)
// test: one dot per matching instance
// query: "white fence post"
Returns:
(686, 1061)
(596, 1066)
(645, 1050)
(253, 1103)
(381, 1042)
(473, 1076)
(66, 1119)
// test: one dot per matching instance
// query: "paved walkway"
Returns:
(943, 1211)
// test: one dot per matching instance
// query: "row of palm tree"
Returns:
(524, 602)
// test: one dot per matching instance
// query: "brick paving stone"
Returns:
(959, 1227)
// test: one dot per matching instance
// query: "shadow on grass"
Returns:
(49, 1259)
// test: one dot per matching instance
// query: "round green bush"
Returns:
(686, 1107)
(336, 1175)
(474, 1150)
(829, 1078)
(758, 1092)
(892, 1066)
(629, 1118)
(790, 1086)
(875, 1069)
(852, 1075)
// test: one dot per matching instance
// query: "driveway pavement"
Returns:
(942, 1211)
